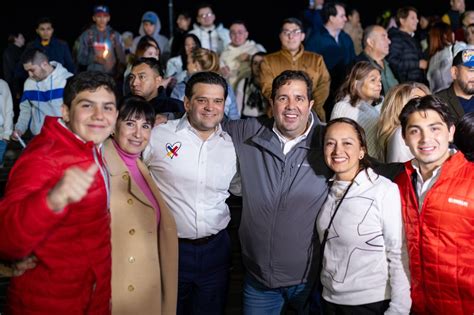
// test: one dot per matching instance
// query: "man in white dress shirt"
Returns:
(193, 162)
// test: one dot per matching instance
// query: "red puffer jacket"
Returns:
(440, 239)
(73, 273)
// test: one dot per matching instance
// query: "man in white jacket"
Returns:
(212, 37)
(42, 93)
(6, 117)
(235, 59)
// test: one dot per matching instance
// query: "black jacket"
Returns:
(404, 57)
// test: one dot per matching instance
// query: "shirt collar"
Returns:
(416, 166)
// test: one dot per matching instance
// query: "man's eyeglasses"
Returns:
(205, 15)
(289, 33)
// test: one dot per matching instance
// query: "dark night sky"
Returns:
(71, 17)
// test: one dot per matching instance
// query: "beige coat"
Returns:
(144, 257)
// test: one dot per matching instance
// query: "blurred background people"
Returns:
(441, 51)
(464, 134)
(201, 60)
(248, 94)
(391, 147)
(359, 99)
(6, 118)
(151, 25)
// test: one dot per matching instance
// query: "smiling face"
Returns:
(343, 150)
(133, 134)
(291, 37)
(291, 108)
(92, 114)
(205, 109)
(428, 137)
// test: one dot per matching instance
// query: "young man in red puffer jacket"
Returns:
(55, 207)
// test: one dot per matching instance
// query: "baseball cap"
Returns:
(101, 9)
(150, 17)
(464, 57)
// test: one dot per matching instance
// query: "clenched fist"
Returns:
(72, 187)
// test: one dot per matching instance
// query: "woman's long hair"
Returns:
(394, 101)
(439, 37)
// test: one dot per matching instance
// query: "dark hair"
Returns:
(364, 163)
(292, 20)
(292, 75)
(329, 9)
(137, 107)
(238, 21)
(403, 13)
(464, 134)
(439, 37)
(34, 56)
(182, 50)
(258, 53)
(44, 20)
(422, 104)
(87, 80)
(154, 64)
(13, 36)
(145, 42)
(203, 5)
(206, 77)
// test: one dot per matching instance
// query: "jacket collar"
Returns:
(288, 55)
(268, 140)
(115, 165)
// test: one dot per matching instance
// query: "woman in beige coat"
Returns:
(144, 237)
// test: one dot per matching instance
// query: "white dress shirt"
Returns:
(288, 144)
(193, 175)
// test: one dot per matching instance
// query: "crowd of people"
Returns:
(351, 148)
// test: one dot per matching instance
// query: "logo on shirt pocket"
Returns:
(172, 149)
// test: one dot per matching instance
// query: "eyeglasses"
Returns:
(289, 33)
(205, 15)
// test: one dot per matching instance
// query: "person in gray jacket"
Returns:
(284, 184)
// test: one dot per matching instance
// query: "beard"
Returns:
(466, 87)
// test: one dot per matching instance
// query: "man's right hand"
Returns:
(423, 64)
(16, 134)
(72, 187)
